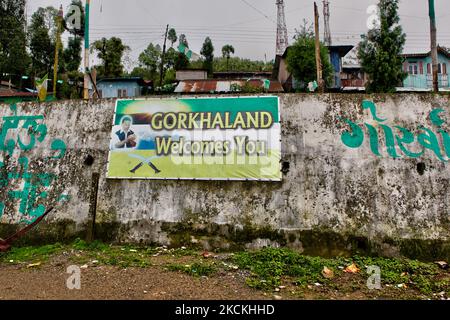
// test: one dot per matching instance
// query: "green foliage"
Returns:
(111, 52)
(72, 54)
(20, 255)
(14, 59)
(268, 266)
(196, 269)
(42, 46)
(301, 60)
(150, 60)
(227, 50)
(208, 53)
(380, 50)
(246, 88)
(235, 64)
(172, 36)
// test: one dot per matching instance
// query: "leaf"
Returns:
(353, 268)
(32, 265)
(327, 273)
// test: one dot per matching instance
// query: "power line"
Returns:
(259, 11)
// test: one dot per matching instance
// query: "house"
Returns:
(130, 87)
(289, 83)
(11, 94)
(353, 78)
(228, 86)
(191, 74)
(418, 66)
(337, 53)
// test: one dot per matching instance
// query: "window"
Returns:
(413, 68)
(122, 93)
(429, 68)
(439, 68)
(444, 68)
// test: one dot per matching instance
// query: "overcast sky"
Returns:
(248, 25)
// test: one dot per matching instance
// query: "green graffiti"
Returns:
(60, 146)
(355, 138)
(373, 137)
(426, 138)
(390, 141)
(33, 186)
(430, 141)
(435, 119)
(373, 110)
(407, 138)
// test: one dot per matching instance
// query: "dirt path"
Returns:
(113, 283)
(124, 273)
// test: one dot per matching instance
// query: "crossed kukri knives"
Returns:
(5, 245)
(144, 161)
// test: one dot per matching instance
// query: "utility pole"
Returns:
(326, 19)
(163, 57)
(434, 55)
(86, 52)
(318, 59)
(57, 46)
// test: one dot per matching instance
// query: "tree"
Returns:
(72, 54)
(380, 50)
(14, 59)
(208, 53)
(111, 52)
(227, 50)
(150, 60)
(172, 36)
(301, 59)
(42, 46)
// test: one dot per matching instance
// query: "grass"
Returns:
(265, 269)
(196, 269)
(269, 266)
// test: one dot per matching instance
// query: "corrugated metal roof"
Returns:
(223, 86)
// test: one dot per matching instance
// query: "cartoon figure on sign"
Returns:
(125, 138)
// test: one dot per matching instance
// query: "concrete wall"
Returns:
(335, 198)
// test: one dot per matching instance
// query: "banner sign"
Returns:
(232, 138)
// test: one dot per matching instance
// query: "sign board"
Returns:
(232, 138)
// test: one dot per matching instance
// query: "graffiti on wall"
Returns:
(411, 145)
(18, 135)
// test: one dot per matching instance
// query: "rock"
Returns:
(32, 265)
(327, 273)
(84, 266)
(442, 264)
(277, 289)
(276, 297)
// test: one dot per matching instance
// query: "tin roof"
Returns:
(223, 86)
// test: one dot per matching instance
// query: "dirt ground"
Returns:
(127, 273)
(47, 281)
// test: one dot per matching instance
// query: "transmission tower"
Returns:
(326, 18)
(282, 34)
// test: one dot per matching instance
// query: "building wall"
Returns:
(191, 75)
(110, 89)
(336, 196)
(424, 79)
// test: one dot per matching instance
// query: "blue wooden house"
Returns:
(130, 87)
(419, 69)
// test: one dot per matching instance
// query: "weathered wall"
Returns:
(333, 199)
